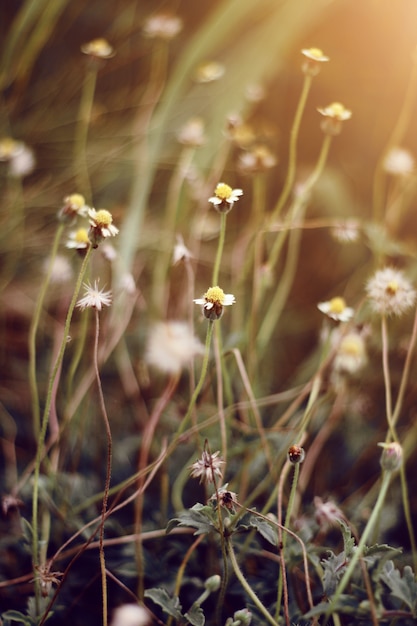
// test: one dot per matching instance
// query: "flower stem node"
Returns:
(392, 456)
(213, 302)
(225, 197)
(296, 454)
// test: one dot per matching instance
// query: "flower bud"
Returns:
(392, 455)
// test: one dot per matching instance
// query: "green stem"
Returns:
(376, 512)
(199, 386)
(220, 246)
(81, 135)
(292, 155)
(33, 331)
(246, 586)
(45, 417)
(284, 536)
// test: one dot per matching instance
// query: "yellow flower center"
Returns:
(215, 295)
(352, 345)
(337, 305)
(76, 200)
(337, 109)
(103, 218)
(81, 236)
(392, 287)
(316, 52)
(223, 192)
(7, 146)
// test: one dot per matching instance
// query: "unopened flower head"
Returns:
(337, 309)
(101, 226)
(213, 302)
(98, 48)
(257, 159)
(74, 206)
(208, 467)
(172, 346)
(399, 162)
(296, 454)
(209, 71)
(225, 197)
(335, 114)
(314, 57)
(162, 26)
(131, 615)
(94, 297)
(392, 456)
(390, 293)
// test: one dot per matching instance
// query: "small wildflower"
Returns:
(18, 155)
(351, 354)
(392, 456)
(399, 162)
(314, 58)
(10, 502)
(162, 26)
(74, 206)
(78, 239)
(94, 297)
(296, 454)
(172, 346)
(213, 302)
(127, 284)
(47, 578)
(101, 226)
(181, 252)
(130, 615)
(336, 309)
(192, 133)
(109, 252)
(254, 93)
(389, 292)
(258, 159)
(208, 468)
(327, 513)
(61, 271)
(227, 499)
(98, 48)
(346, 231)
(241, 133)
(335, 114)
(225, 197)
(209, 72)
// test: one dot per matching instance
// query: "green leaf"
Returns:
(266, 530)
(333, 568)
(402, 587)
(199, 517)
(169, 605)
(15, 616)
(196, 616)
(348, 540)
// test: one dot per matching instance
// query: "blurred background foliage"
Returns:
(133, 150)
